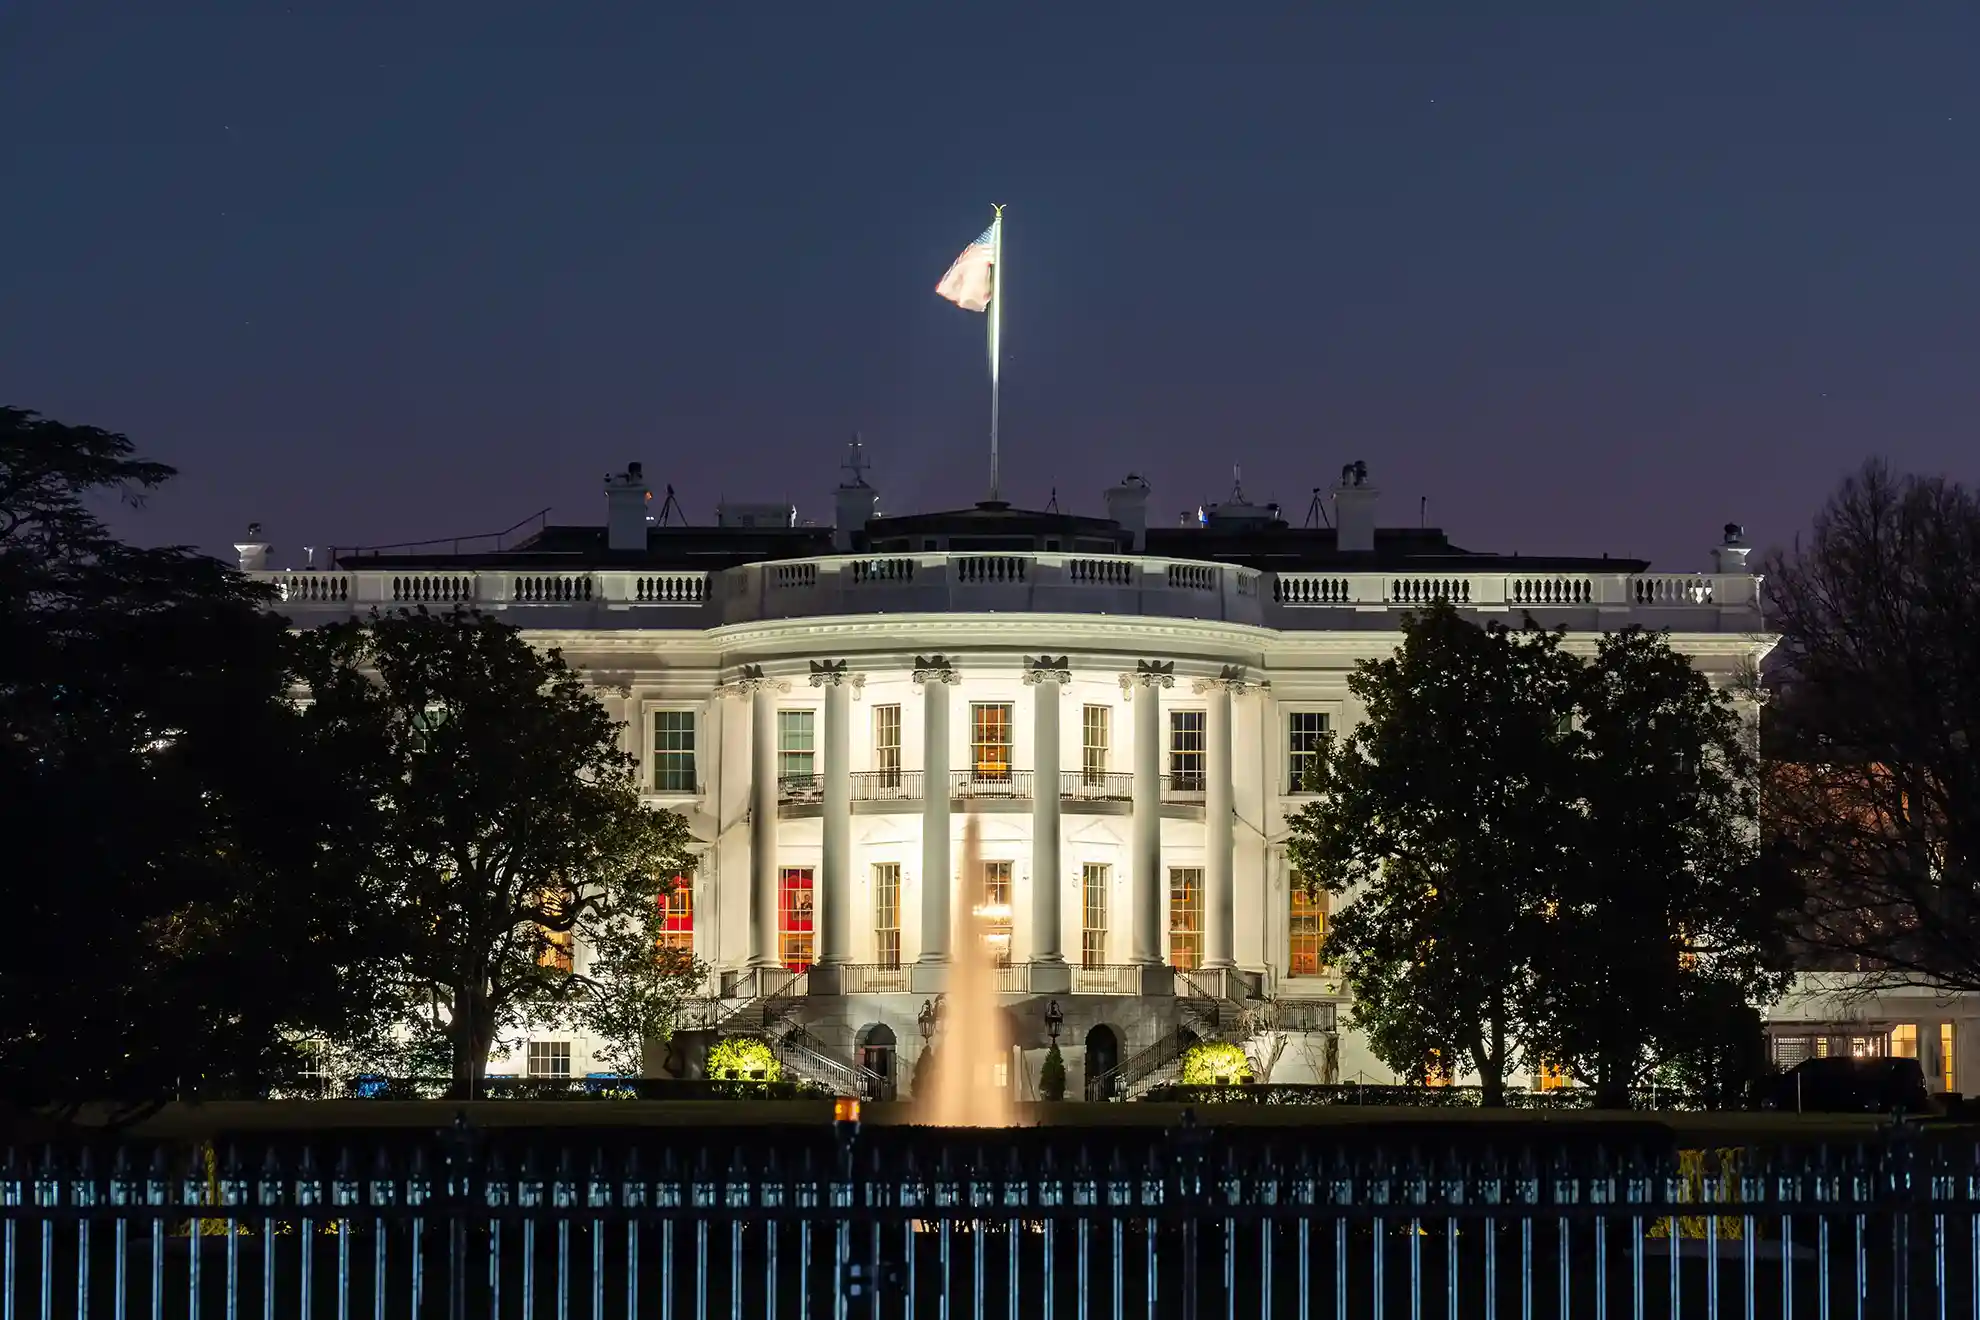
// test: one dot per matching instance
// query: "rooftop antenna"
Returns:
(1422, 512)
(1052, 505)
(670, 505)
(1316, 512)
(1237, 484)
(855, 464)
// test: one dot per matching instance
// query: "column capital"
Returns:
(1149, 674)
(835, 673)
(749, 680)
(1047, 669)
(1232, 680)
(934, 669)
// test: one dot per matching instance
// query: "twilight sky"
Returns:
(1589, 282)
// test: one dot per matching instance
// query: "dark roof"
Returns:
(1265, 544)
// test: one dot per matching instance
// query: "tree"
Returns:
(1439, 817)
(1052, 1075)
(632, 988)
(506, 826)
(177, 887)
(1873, 790)
(1666, 931)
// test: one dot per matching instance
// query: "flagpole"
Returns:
(996, 329)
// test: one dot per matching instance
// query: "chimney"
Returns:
(626, 497)
(854, 502)
(1730, 555)
(1127, 504)
(253, 550)
(1354, 509)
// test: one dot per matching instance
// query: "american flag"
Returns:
(971, 280)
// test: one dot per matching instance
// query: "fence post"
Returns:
(462, 1167)
(1189, 1143)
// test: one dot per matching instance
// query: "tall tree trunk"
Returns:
(1491, 1061)
(472, 1033)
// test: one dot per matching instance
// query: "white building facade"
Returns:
(1125, 713)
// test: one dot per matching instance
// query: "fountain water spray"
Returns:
(975, 1037)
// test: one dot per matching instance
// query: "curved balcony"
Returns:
(882, 791)
(943, 582)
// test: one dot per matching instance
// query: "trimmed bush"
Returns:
(1213, 1063)
(743, 1059)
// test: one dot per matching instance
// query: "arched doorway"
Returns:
(876, 1054)
(1103, 1055)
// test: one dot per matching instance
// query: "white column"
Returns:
(835, 878)
(762, 815)
(931, 969)
(1219, 838)
(1145, 897)
(1049, 973)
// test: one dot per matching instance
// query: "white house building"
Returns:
(1126, 709)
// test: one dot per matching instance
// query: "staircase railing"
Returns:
(795, 1050)
(1116, 1080)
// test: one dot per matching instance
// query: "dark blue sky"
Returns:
(1589, 283)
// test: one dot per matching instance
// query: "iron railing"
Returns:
(1192, 1222)
(1096, 786)
(886, 786)
(1185, 790)
(1106, 979)
(974, 785)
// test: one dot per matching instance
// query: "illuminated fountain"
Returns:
(974, 1040)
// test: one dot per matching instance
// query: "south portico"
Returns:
(1196, 795)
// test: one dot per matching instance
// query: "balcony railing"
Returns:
(1185, 789)
(1007, 785)
(886, 786)
(1106, 979)
(1082, 786)
(874, 978)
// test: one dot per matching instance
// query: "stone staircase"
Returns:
(769, 1016)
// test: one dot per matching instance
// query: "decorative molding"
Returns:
(1047, 669)
(749, 680)
(836, 673)
(934, 669)
(1148, 674)
(1232, 680)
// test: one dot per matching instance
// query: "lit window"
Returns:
(887, 745)
(1436, 1072)
(995, 914)
(1946, 1055)
(1306, 745)
(1094, 727)
(796, 749)
(1904, 1041)
(887, 914)
(794, 918)
(1186, 917)
(990, 740)
(673, 751)
(1306, 928)
(1186, 745)
(556, 948)
(1093, 878)
(677, 919)
(549, 1058)
(1551, 1078)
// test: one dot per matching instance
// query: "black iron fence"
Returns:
(1019, 1223)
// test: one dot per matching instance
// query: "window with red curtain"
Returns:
(794, 917)
(677, 916)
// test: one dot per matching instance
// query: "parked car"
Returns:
(1846, 1086)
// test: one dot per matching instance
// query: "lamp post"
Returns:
(1055, 1017)
(925, 1019)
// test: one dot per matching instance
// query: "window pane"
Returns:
(990, 740)
(887, 914)
(887, 744)
(549, 1058)
(1186, 744)
(1306, 742)
(1093, 879)
(673, 751)
(677, 926)
(1094, 730)
(795, 752)
(1306, 927)
(794, 917)
(995, 913)
(1186, 917)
